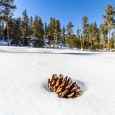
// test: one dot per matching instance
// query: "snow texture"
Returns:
(23, 81)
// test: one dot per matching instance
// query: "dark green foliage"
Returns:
(109, 19)
(112, 43)
(6, 8)
(51, 29)
(63, 35)
(1, 29)
(109, 16)
(69, 35)
(57, 31)
(45, 30)
(38, 31)
(30, 26)
(25, 26)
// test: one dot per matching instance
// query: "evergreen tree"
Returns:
(109, 20)
(45, 30)
(25, 27)
(30, 24)
(79, 39)
(84, 28)
(69, 36)
(103, 32)
(112, 43)
(6, 8)
(84, 22)
(38, 31)
(1, 29)
(12, 28)
(109, 16)
(93, 36)
(96, 34)
(57, 31)
(17, 30)
(63, 35)
(51, 30)
(70, 28)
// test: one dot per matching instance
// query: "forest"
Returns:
(31, 31)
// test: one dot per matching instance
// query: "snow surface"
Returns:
(23, 81)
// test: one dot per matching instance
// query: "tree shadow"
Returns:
(49, 52)
(81, 54)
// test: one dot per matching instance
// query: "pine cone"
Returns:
(63, 86)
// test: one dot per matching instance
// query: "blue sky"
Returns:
(64, 10)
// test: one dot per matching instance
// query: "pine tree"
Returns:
(112, 43)
(38, 31)
(51, 30)
(57, 31)
(84, 28)
(12, 28)
(45, 30)
(94, 36)
(84, 21)
(69, 36)
(1, 29)
(30, 24)
(104, 32)
(63, 35)
(79, 41)
(109, 20)
(6, 8)
(108, 17)
(25, 27)
(17, 30)
(70, 28)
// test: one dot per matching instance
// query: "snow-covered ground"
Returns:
(23, 81)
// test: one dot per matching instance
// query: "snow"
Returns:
(23, 81)
(3, 42)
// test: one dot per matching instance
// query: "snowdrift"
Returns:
(23, 81)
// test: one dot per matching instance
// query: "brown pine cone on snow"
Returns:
(64, 86)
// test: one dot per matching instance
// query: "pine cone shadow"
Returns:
(82, 85)
(45, 86)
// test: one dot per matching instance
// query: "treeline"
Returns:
(27, 30)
